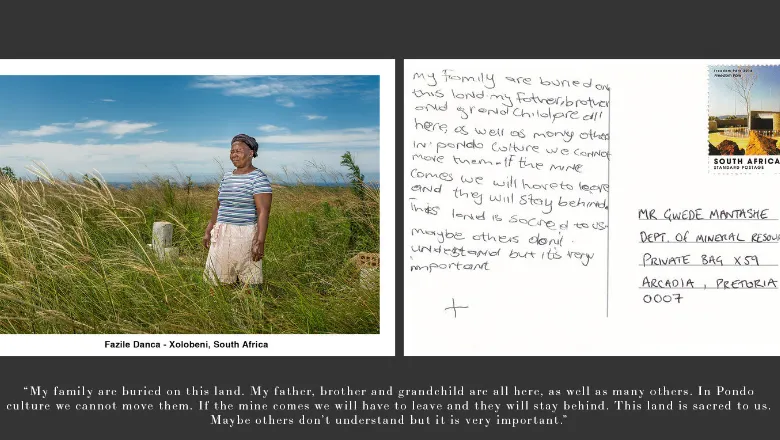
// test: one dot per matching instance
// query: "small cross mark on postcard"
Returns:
(455, 308)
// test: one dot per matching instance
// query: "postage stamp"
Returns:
(744, 119)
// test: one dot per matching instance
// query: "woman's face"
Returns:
(240, 154)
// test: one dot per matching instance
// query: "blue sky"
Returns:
(765, 94)
(125, 126)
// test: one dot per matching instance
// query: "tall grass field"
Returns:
(74, 258)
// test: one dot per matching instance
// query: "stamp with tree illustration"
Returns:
(744, 119)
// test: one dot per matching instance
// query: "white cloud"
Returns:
(43, 130)
(154, 131)
(122, 128)
(283, 86)
(112, 158)
(352, 137)
(116, 128)
(90, 124)
(370, 95)
(275, 161)
(218, 78)
(314, 117)
(268, 128)
(108, 100)
(258, 91)
(217, 85)
(188, 157)
(285, 102)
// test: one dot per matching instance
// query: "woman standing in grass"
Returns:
(235, 235)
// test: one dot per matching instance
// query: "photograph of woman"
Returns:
(235, 235)
(141, 225)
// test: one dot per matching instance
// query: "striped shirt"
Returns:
(236, 197)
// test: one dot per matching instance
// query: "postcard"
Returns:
(568, 207)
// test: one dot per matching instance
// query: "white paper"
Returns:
(654, 129)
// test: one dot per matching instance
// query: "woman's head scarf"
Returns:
(248, 140)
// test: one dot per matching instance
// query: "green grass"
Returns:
(74, 259)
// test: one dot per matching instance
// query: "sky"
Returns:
(131, 127)
(765, 94)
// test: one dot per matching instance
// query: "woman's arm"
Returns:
(212, 222)
(263, 205)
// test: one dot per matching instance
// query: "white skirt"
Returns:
(230, 255)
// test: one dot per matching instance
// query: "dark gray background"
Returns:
(389, 30)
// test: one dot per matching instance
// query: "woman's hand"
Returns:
(207, 238)
(258, 249)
